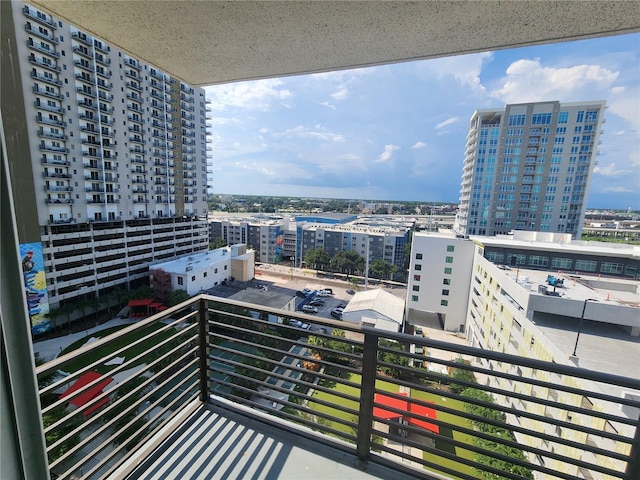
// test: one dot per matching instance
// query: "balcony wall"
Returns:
(356, 391)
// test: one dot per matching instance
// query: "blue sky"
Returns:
(397, 132)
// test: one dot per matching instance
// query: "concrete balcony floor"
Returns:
(217, 444)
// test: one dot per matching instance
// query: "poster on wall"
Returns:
(35, 285)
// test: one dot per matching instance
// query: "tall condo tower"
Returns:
(108, 161)
(528, 167)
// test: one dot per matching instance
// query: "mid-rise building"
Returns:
(543, 296)
(528, 167)
(112, 170)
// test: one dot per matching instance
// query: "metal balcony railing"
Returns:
(422, 407)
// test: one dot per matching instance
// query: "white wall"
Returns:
(433, 250)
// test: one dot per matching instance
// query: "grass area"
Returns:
(346, 389)
(95, 355)
(454, 420)
(391, 387)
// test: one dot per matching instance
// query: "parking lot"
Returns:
(289, 281)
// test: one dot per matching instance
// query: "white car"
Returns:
(309, 309)
(324, 293)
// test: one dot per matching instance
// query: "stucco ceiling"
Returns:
(207, 42)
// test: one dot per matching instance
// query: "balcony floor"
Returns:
(217, 444)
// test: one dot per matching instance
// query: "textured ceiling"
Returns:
(207, 42)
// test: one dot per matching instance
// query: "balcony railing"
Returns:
(446, 410)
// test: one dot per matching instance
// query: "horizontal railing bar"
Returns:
(519, 413)
(470, 431)
(120, 402)
(116, 370)
(96, 418)
(57, 362)
(123, 445)
(99, 343)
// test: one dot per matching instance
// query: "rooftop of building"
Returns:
(261, 297)
(601, 346)
(377, 300)
(560, 242)
(196, 260)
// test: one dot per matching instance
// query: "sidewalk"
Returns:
(50, 349)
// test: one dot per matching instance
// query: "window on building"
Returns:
(609, 267)
(180, 281)
(418, 256)
(538, 261)
(416, 288)
(586, 265)
(414, 298)
(193, 278)
(446, 281)
(445, 292)
(449, 260)
(225, 267)
(450, 248)
(418, 266)
(448, 270)
(559, 262)
(444, 303)
(204, 275)
(416, 278)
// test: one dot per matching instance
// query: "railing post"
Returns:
(203, 339)
(367, 390)
(633, 466)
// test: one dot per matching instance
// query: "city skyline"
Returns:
(379, 132)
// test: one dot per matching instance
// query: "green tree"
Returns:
(142, 292)
(177, 297)
(217, 243)
(318, 258)
(461, 374)
(382, 269)
(348, 261)
(53, 436)
(399, 359)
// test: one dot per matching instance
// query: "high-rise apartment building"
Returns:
(112, 170)
(528, 167)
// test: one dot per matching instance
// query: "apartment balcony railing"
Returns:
(212, 365)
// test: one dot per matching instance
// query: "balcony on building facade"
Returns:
(44, 64)
(51, 148)
(217, 374)
(46, 78)
(58, 201)
(42, 34)
(42, 49)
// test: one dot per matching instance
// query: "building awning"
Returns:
(155, 305)
(88, 395)
(145, 302)
(407, 406)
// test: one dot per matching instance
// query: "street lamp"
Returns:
(584, 307)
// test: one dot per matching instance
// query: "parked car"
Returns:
(307, 290)
(342, 305)
(317, 302)
(328, 290)
(337, 314)
(351, 292)
(309, 309)
(301, 294)
(325, 292)
(299, 324)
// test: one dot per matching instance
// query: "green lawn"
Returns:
(391, 387)
(90, 357)
(386, 386)
(454, 420)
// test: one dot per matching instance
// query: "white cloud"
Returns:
(464, 68)
(530, 81)
(304, 132)
(328, 105)
(224, 121)
(341, 94)
(349, 156)
(448, 121)
(610, 170)
(617, 190)
(617, 90)
(253, 95)
(418, 145)
(388, 152)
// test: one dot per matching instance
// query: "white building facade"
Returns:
(112, 174)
